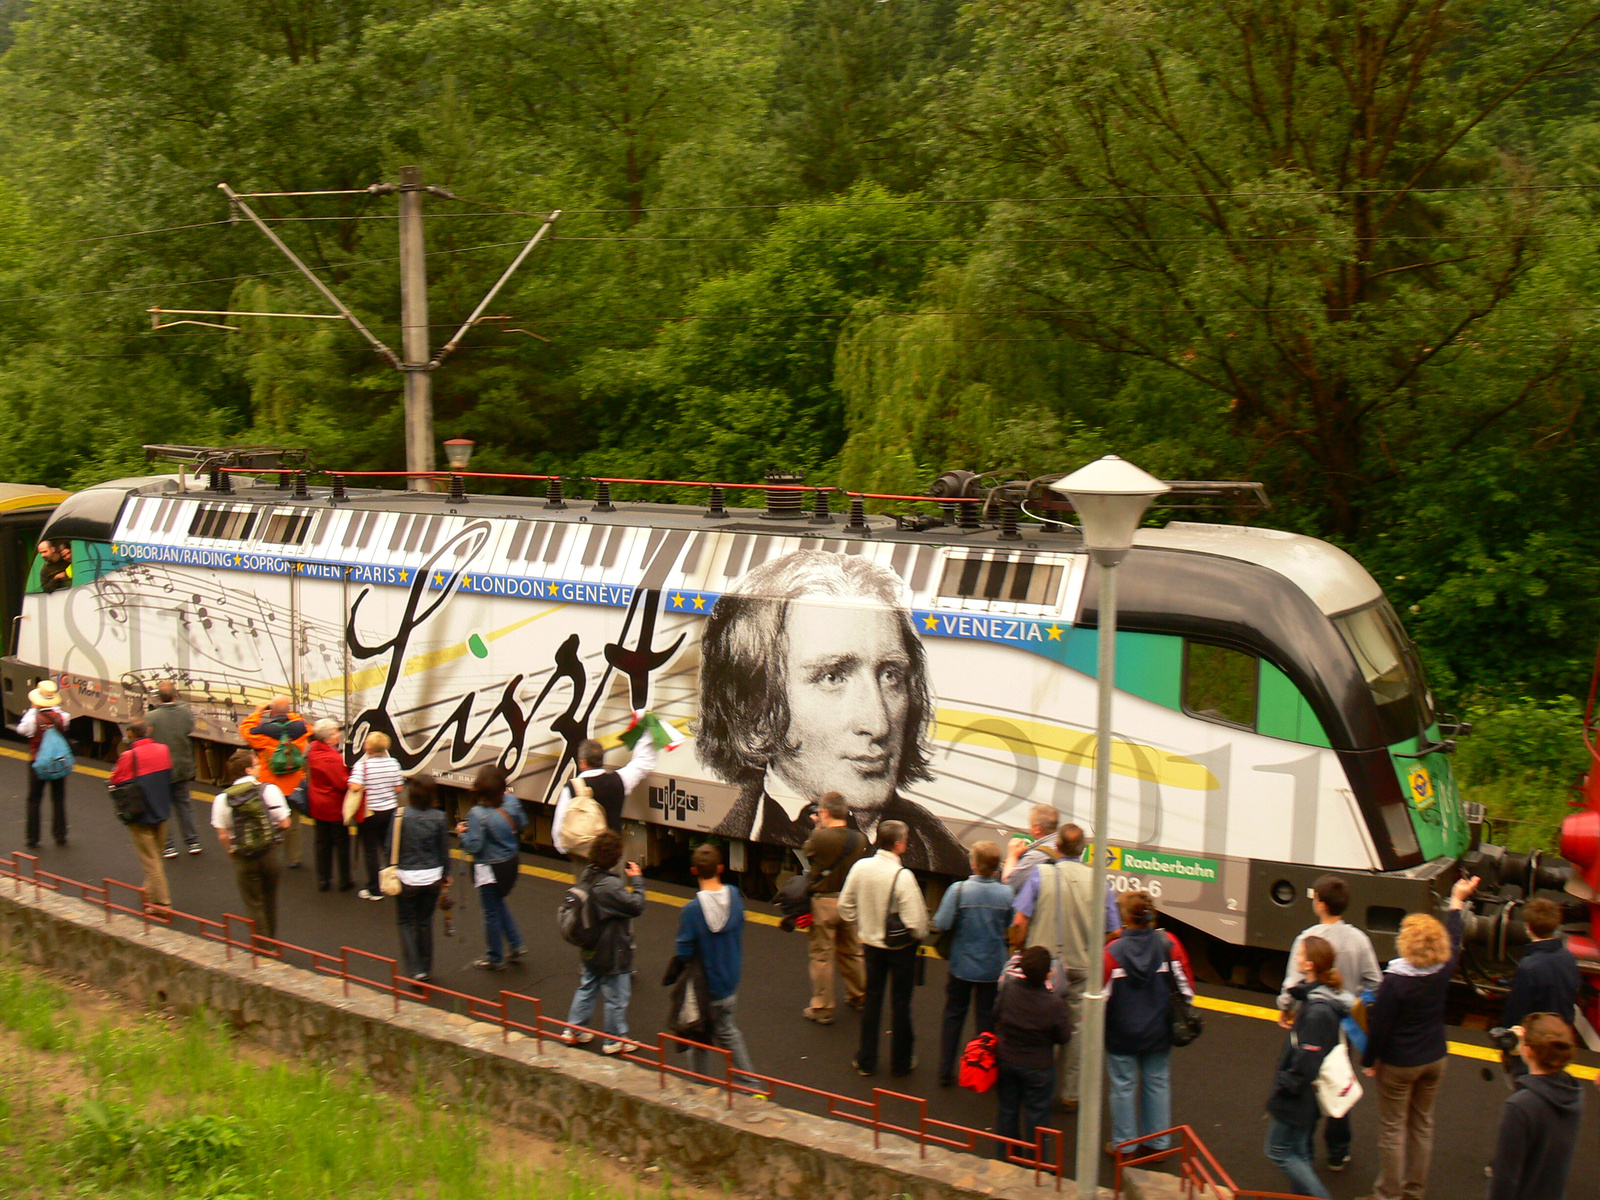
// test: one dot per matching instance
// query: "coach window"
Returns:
(1220, 684)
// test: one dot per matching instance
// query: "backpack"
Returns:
(576, 918)
(287, 758)
(253, 831)
(583, 821)
(54, 760)
(980, 1064)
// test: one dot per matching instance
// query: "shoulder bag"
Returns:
(127, 798)
(1337, 1087)
(1183, 1022)
(355, 797)
(389, 878)
(895, 934)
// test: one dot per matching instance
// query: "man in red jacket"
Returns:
(147, 763)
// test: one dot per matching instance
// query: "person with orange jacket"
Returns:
(262, 731)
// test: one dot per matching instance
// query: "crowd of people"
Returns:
(1017, 934)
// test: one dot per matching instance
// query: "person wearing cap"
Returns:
(46, 713)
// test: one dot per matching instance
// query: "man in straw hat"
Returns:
(46, 713)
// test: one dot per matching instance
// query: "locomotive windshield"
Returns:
(1391, 668)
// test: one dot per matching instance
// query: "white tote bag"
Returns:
(1338, 1087)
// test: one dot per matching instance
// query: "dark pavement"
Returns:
(1219, 1082)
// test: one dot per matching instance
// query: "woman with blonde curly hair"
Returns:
(1406, 1048)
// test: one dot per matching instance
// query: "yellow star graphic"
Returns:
(930, 622)
(405, 575)
(438, 579)
(700, 603)
(1055, 633)
(677, 600)
(238, 560)
(466, 581)
(553, 588)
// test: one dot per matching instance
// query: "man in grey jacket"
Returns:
(1357, 964)
(876, 889)
(171, 723)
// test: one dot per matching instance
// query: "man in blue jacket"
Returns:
(1547, 977)
(712, 926)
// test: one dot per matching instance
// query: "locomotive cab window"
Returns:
(1220, 684)
(1390, 667)
(83, 563)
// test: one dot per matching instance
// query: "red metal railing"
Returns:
(23, 871)
(1199, 1173)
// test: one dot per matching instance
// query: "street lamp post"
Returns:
(1110, 497)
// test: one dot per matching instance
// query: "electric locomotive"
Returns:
(1272, 721)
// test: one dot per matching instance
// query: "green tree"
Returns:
(1293, 209)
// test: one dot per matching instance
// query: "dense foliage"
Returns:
(1344, 248)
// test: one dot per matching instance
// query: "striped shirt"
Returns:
(380, 775)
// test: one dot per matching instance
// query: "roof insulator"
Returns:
(783, 502)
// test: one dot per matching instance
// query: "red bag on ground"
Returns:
(980, 1068)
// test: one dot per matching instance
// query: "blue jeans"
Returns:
(1141, 1097)
(724, 1033)
(1023, 1094)
(1289, 1148)
(497, 920)
(617, 990)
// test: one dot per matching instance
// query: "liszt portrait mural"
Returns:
(813, 680)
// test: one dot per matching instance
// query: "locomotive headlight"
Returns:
(458, 453)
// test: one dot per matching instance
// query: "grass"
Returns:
(176, 1109)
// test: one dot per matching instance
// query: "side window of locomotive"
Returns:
(1220, 684)
(90, 560)
(1002, 579)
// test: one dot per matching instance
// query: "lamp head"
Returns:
(1110, 496)
(458, 452)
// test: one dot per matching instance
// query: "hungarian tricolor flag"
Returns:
(662, 734)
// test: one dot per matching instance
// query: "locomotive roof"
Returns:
(1333, 580)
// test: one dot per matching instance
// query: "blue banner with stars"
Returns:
(1051, 638)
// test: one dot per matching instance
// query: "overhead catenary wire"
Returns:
(910, 201)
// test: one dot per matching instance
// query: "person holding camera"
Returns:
(1547, 977)
(1539, 1123)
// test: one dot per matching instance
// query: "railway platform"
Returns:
(1219, 1082)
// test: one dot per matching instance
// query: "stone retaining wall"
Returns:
(756, 1147)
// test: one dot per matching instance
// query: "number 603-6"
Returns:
(1132, 883)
